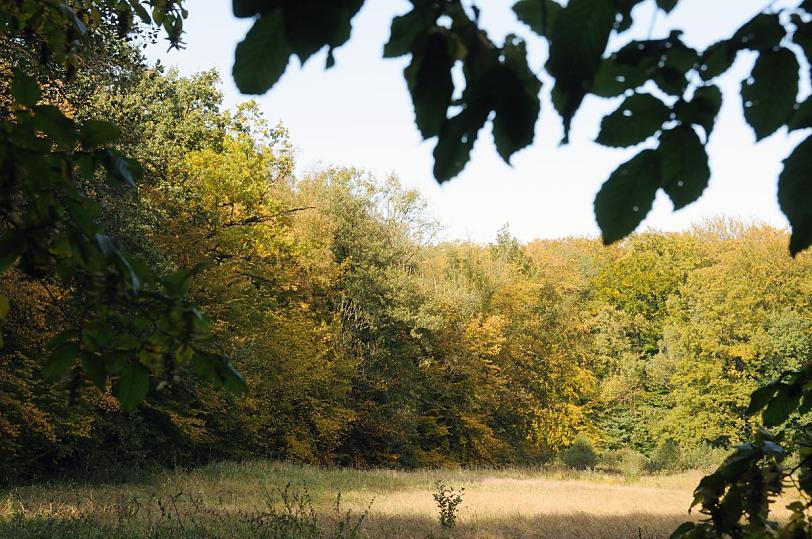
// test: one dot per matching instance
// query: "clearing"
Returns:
(278, 500)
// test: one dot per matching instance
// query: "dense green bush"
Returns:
(580, 455)
(626, 461)
(666, 457)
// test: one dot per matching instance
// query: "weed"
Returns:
(448, 500)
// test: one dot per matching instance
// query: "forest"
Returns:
(366, 342)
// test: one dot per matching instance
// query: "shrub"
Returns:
(447, 499)
(703, 457)
(666, 457)
(580, 455)
(626, 461)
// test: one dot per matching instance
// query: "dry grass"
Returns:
(229, 500)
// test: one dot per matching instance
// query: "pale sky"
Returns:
(359, 114)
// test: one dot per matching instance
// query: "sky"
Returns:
(359, 114)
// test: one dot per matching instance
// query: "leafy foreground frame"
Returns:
(669, 108)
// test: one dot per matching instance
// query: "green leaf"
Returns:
(4, 307)
(429, 80)
(456, 140)
(717, 59)
(685, 171)
(11, 247)
(98, 133)
(761, 33)
(248, 8)
(25, 89)
(405, 31)
(309, 26)
(178, 283)
(760, 398)
(232, 379)
(769, 96)
(121, 169)
(702, 109)
(795, 193)
(773, 449)
(60, 361)
(94, 369)
(141, 11)
(638, 117)
(262, 57)
(539, 15)
(54, 124)
(626, 197)
(667, 5)
(517, 106)
(133, 385)
(801, 116)
(613, 79)
(71, 15)
(780, 407)
(578, 39)
(671, 76)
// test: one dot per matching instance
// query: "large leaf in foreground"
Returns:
(795, 195)
(627, 196)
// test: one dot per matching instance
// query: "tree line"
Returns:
(362, 340)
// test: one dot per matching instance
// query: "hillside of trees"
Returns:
(362, 339)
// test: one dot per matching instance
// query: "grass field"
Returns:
(265, 499)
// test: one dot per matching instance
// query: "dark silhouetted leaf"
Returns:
(702, 109)
(539, 15)
(456, 140)
(626, 197)
(309, 26)
(517, 107)
(717, 59)
(98, 133)
(760, 398)
(233, 380)
(121, 169)
(133, 385)
(667, 5)
(25, 89)
(795, 194)
(60, 361)
(429, 80)
(784, 402)
(406, 29)
(801, 116)
(769, 96)
(638, 117)
(249, 8)
(613, 79)
(94, 369)
(763, 32)
(56, 125)
(262, 57)
(685, 171)
(578, 38)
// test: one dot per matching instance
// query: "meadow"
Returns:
(276, 500)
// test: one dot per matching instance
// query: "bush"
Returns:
(447, 499)
(666, 457)
(703, 457)
(580, 455)
(626, 461)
